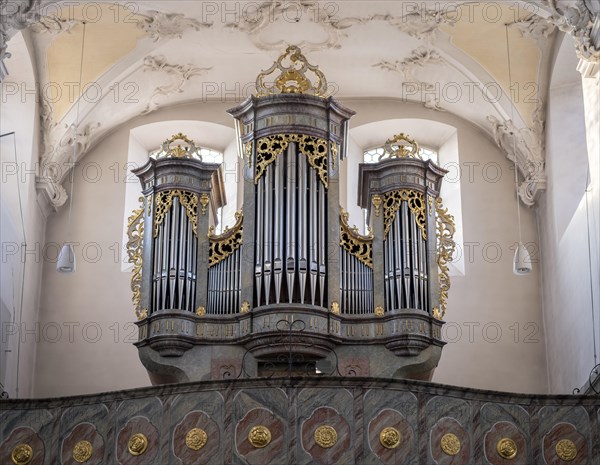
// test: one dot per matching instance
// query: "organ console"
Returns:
(291, 280)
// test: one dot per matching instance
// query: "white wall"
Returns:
(18, 113)
(563, 224)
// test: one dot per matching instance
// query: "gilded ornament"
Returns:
(135, 242)
(259, 436)
(204, 199)
(186, 148)
(335, 307)
(566, 450)
(245, 308)
(313, 148)
(354, 243)
(82, 451)
(376, 201)
(390, 437)
(143, 314)
(450, 444)
(248, 150)
(196, 438)
(379, 311)
(164, 200)
(137, 445)
(223, 245)
(201, 311)
(392, 201)
(445, 248)
(292, 79)
(507, 448)
(148, 205)
(22, 454)
(400, 146)
(326, 436)
(437, 314)
(333, 149)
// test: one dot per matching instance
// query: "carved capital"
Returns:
(581, 19)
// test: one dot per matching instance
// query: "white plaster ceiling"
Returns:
(147, 55)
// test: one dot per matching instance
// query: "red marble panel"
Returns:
(196, 419)
(274, 452)
(391, 418)
(444, 426)
(225, 368)
(134, 426)
(354, 366)
(498, 431)
(564, 431)
(330, 417)
(83, 432)
(22, 436)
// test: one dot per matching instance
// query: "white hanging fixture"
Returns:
(522, 259)
(66, 258)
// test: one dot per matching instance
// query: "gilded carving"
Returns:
(82, 451)
(248, 151)
(416, 202)
(313, 148)
(333, 148)
(137, 445)
(200, 311)
(164, 200)
(379, 310)
(259, 436)
(187, 150)
(335, 307)
(450, 444)
(204, 199)
(292, 78)
(22, 454)
(354, 243)
(376, 201)
(445, 248)
(196, 438)
(223, 245)
(506, 448)
(390, 437)
(400, 146)
(566, 450)
(326, 436)
(245, 307)
(135, 235)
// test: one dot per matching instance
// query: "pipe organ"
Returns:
(291, 278)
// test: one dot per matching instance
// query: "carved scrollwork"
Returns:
(223, 245)
(163, 202)
(292, 78)
(445, 248)
(135, 234)
(400, 146)
(356, 244)
(313, 148)
(416, 203)
(186, 148)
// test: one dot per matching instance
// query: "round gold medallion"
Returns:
(82, 451)
(390, 437)
(22, 454)
(506, 448)
(566, 450)
(196, 438)
(259, 436)
(138, 443)
(450, 444)
(326, 436)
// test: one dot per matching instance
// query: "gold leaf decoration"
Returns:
(164, 201)
(135, 235)
(416, 202)
(223, 245)
(313, 148)
(445, 248)
(354, 243)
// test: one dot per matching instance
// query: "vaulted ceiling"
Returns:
(139, 57)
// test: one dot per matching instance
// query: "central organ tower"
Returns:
(291, 287)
